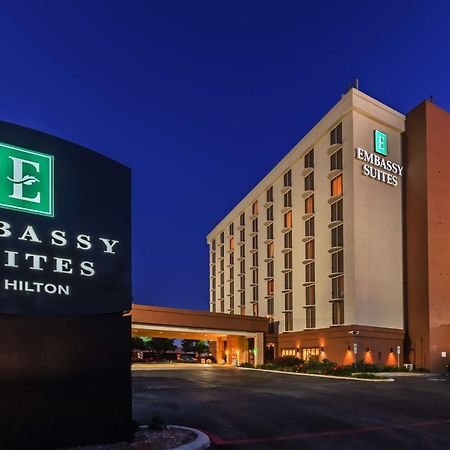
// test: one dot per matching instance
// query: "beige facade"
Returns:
(318, 243)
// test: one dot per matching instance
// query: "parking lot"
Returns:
(257, 410)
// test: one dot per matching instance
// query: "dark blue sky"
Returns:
(202, 98)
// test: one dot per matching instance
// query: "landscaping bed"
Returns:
(326, 368)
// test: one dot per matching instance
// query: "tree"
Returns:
(189, 345)
(162, 345)
(140, 343)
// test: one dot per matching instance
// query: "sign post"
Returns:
(355, 351)
(65, 284)
(398, 355)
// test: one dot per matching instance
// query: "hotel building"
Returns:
(318, 246)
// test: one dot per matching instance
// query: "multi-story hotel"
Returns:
(317, 246)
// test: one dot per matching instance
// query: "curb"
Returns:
(201, 442)
(317, 375)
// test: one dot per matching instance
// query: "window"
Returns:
(213, 245)
(242, 235)
(242, 311)
(213, 282)
(255, 276)
(242, 251)
(310, 272)
(242, 298)
(214, 296)
(310, 353)
(309, 182)
(270, 287)
(231, 303)
(337, 262)
(287, 179)
(242, 219)
(270, 309)
(309, 227)
(255, 207)
(288, 220)
(221, 251)
(336, 186)
(309, 204)
(337, 312)
(269, 194)
(231, 229)
(310, 295)
(288, 260)
(231, 273)
(311, 317)
(255, 225)
(222, 292)
(269, 213)
(336, 160)
(288, 240)
(337, 236)
(270, 232)
(255, 242)
(287, 199)
(242, 266)
(336, 135)
(213, 308)
(222, 278)
(288, 321)
(221, 265)
(232, 258)
(232, 244)
(242, 283)
(222, 306)
(288, 352)
(337, 287)
(288, 280)
(255, 309)
(213, 270)
(222, 237)
(309, 159)
(270, 269)
(255, 293)
(288, 303)
(232, 288)
(337, 211)
(255, 259)
(270, 250)
(309, 250)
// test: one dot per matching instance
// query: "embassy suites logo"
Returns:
(27, 185)
(379, 167)
(26, 180)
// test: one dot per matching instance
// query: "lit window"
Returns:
(336, 186)
(270, 250)
(309, 204)
(288, 220)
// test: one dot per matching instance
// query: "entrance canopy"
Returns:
(230, 332)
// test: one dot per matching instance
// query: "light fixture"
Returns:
(348, 348)
(367, 349)
(322, 349)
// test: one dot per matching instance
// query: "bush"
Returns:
(247, 365)
(286, 361)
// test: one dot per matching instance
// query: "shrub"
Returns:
(286, 361)
(248, 365)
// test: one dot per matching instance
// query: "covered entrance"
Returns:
(233, 339)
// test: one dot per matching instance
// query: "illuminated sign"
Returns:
(377, 167)
(380, 142)
(26, 180)
(65, 232)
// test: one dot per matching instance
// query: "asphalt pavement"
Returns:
(256, 410)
